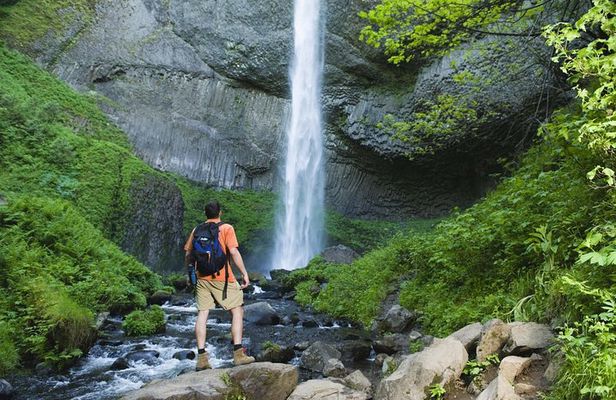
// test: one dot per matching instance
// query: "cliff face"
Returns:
(201, 87)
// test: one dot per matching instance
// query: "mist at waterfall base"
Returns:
(300, 223)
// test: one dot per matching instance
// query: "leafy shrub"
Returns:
(10, 355)
(144, 322)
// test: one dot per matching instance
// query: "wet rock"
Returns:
(334, 368)
(6, 389)
(358, 381)
(159, 298)
(397, 319)
(391, 344)
(109, 342)
(469, 335)
(119, 364)
(255, 381)
(380, 359)
(180, 283)
(442, 363)
(42, 369)
(339, 254)
(527, 337)
(324, 389)
(101, 318)
(315, 356)
(277, 354)
(495, 333)
(184, 355)
(310, 323)
(146, 356)
(261, 313)
(355, 350)
(301, 346)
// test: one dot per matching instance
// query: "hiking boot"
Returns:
(240, 357)
(203, 362)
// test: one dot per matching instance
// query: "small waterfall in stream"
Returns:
(299, 231)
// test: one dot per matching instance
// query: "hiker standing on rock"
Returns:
(209, 250)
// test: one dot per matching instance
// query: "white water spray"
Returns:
(299, 235)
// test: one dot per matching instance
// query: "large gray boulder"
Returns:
(397, 319)
(261, 313)
(325, 389)
(527, 337)
(316, 356)
(255, 381)
(392, 343)
(468, 335)
(494, 334)
(441, 363)
(499, 389)
(339, 254)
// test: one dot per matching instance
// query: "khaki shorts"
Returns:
(209, 293)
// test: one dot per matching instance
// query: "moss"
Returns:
(142, 323)
(26, 21)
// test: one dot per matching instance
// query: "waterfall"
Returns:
(299, 231)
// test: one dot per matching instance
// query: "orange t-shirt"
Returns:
(227, 239)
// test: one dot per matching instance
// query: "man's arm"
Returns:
(239, 262)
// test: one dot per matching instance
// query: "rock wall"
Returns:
(201, 87)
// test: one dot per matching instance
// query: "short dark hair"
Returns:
(212, 209)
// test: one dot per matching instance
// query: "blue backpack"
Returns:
(207, 250)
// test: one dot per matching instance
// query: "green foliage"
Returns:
(474, 368)
(22, 22)
(416, 346)
(589, 346)
(270, 345)
(406, 29)
(144, 322)
(10, 355)
(437, 392)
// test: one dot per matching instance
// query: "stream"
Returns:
(93, 377)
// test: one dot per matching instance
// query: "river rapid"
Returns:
(165, 355)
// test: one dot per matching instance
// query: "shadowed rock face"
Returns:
(201, 87)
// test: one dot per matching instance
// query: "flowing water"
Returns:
(299, 235)
(94, 377)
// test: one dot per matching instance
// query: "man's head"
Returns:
(212, 209)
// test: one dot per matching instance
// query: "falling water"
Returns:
(299, 235)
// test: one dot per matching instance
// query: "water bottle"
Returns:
(192, 275)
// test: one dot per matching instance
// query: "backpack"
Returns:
(207, 250)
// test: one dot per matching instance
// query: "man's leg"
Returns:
(237, 326)
(201, 328)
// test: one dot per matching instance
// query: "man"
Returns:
(209, 290)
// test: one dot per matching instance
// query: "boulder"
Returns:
(380, 358)
(495, 333)
(469, 335)
(261, 313)
(390, 344)
(6, 389)
(513, 366)
(159, 298)
(101, 318)
(355, 350)
(324, 389)
(527, 337)
(119, 364)
(184, 355)
(499, 389)
(301, 346)
(397, 319)
(334, 368)
(254, 381)
(358, 381)
(315, 356)
(277, 354)
(339, 254)
(553, 369)
(310, 323)
(147, 356)
(441, 363)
